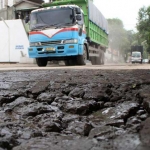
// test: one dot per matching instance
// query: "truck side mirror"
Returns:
(78, 11)
(27, 19)
(78, 17)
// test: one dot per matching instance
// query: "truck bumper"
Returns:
(136, 61)
(55, 51)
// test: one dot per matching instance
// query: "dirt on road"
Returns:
(61, 65)
(75, 109)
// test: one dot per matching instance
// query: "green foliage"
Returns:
(143, 26)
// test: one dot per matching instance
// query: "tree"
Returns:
(120, 39)
(143, 26)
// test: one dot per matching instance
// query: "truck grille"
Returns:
(51, 42)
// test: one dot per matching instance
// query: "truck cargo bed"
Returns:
(96, 24)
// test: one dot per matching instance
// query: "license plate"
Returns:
(50, 49)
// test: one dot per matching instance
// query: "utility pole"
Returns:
(6, 3)
(1, 4)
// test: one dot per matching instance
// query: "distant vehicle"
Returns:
(136, 54)
(145, 61)
(136, 57)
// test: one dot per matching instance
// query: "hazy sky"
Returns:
(125, 10)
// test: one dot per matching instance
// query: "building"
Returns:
(17, 9)
(23, 7)
(10, 3)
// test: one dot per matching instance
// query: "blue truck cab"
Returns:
(58, 33)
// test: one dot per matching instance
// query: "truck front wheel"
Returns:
(69, 62)
(41, 62)
(81, 59)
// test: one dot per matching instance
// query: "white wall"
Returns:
(13, 41)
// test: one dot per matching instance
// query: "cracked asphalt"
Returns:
(76, 109)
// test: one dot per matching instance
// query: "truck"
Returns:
(73, 31)
(137, 54)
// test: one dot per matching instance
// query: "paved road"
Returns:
(74, 109)
(18, 66)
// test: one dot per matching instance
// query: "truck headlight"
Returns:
(71, 41)
(35, 44)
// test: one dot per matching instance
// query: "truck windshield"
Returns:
(137, 54)
(52, 17)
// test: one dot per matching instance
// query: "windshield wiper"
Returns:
(48, 26)
(57, 25)
(37, 27)
(42, 27)
(63, 25)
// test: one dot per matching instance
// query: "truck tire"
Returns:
(99, 59)
(71, 61)
(81, 59)
(67, 63)
(93, 60)
(102, 58)
(41, 62)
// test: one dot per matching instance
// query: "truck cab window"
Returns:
(51, 17)
(80, 19)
